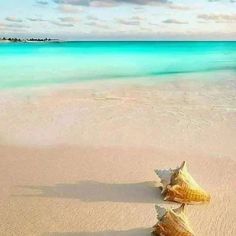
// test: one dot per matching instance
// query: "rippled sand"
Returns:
(79, 160)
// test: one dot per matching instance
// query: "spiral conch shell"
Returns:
(172, 222)
(179, 186)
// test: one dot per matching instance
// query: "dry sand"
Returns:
(79, 160)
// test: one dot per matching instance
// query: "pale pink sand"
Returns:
(80, 160)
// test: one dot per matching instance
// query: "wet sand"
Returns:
(79, 159)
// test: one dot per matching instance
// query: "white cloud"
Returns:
(219, 18)
(13, 19)
(62, 24)
(174, 21)
(68, 19)
(35, 19)
(68, 9)
(109, 3)
(42, 2)
(128, 22)
(96, 24)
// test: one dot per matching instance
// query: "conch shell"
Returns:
(172, 222)
(179, 186)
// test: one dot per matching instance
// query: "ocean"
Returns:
(35, 64)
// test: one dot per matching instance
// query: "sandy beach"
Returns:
(79, 160)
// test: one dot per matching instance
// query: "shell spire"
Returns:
(172, 222)
(181, 187)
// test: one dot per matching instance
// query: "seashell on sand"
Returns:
(179, 186)
(172, 222)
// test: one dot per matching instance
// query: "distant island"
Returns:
(15, 40)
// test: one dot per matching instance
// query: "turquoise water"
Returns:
(33, 64)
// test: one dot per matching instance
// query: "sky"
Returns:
(119, 19)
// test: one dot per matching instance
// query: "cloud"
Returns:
(174, 21)
(61, 24)
(218, 18)
(73, 2)
(13, 19)
(16, 26)
(92, 18)
(232, 1)
(140, 18)
(42, 2)
(67, 9)
(97, 25)
(112, 3)
(68, 19)
(62, 21)
(135, 20)
(109, 3)
(106, 3)
(153, 24)
(13, 27)
(128, 22)
(180, 6)
(35, 19)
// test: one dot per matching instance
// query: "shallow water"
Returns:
(33, 64)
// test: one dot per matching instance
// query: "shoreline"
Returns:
(200, 77)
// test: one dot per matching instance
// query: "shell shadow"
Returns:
(132, 232)
(92, 191)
